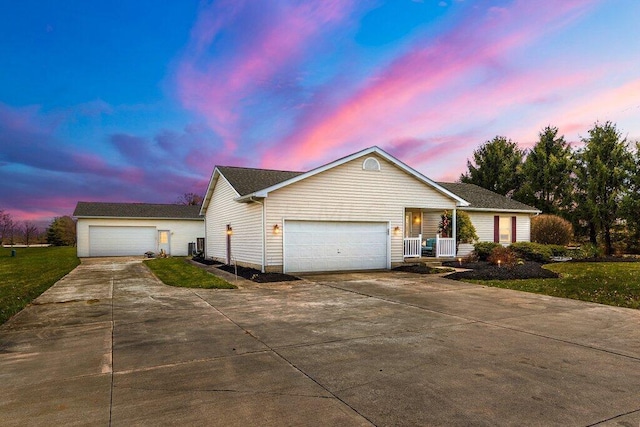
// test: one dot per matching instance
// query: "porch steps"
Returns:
(429, 262)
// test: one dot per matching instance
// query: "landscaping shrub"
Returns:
(551, 230)
(483, 249)
(532, 251)
(505, 255)
(558, 250)
(589, 250)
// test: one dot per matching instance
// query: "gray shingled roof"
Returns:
(481, 198)
(135, 210)
(248, 180)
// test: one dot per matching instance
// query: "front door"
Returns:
(164, 241)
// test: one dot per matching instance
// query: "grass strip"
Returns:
(31, 272)
(611, 283)
(176, 271)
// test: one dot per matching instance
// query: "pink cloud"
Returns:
(381, 110)
(218, 88)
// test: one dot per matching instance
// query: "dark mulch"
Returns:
(256, 275)
(204, 261)
(421, 269)
(484, 271)
(608, 259)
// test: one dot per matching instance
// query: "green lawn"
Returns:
(178, 272)
(31, 272)
(612, 283)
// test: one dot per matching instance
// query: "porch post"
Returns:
(454, 231)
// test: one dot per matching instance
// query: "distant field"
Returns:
(611, 283)
(31, 272)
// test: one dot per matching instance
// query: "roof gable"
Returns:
(135, 210)
(263, 192)
(483, 199)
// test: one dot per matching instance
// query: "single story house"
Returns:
(367, 210)
(122, 229)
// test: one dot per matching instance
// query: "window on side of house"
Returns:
(505, 229)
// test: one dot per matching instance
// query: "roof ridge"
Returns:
(258, 169)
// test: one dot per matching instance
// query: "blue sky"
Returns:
(138, 100)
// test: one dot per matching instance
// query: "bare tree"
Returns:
(30, 232)
(7, 227)
(190, 199)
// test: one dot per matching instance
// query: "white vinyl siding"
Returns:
(483, 223)
(245, 220)
(182, 231)
(349, 193)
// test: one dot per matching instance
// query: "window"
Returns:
(371, 164)
(163, 237)
(505, 229)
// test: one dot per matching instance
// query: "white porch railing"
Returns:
(413, 247)
(445, 247)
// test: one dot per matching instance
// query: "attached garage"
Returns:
(121, 241)
(316, 246)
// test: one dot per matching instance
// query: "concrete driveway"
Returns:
(110, 345)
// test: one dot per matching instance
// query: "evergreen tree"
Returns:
(631, 205)
(603, 173)
(497, 166)
(62, 232)
(547, 173)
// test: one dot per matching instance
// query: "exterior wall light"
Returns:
(396, 230)
(276, 229)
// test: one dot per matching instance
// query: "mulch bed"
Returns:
(485, 271)
(421, 269)
(204, 261)
(255, 275)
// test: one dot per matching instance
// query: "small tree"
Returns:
(192, 199)
(30, 232)
(551, 230)
(465, 231)
(62, 231)
(7, 227)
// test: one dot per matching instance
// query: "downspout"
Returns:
(264, 233)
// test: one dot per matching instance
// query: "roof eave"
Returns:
(528, 211)
(135, 217)
(209, 193)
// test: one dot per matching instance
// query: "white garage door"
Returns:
(121, 241)
(333, 246)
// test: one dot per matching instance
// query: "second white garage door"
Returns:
(121, 241)
(333, 246)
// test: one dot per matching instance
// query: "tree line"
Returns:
(596, 187)
(61, 231)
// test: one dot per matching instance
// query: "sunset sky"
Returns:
(137, 101)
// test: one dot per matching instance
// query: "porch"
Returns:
(423, 234)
